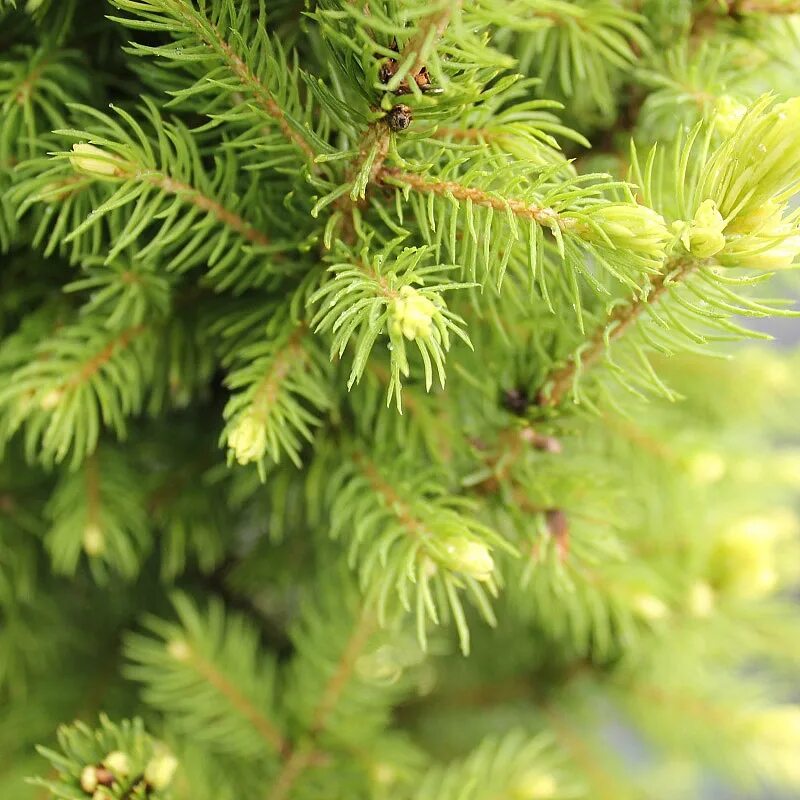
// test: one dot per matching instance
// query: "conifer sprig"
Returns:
(250, 65)
(235, 235)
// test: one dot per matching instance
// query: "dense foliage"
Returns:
(374, 417)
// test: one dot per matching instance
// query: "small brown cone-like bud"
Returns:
(104, 776)
(558, 525)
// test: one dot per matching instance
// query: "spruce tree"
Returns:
(375, 414)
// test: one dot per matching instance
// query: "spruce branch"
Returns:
(720, 225)
(392, 293)
(279, 385)
(419, 183)
(36, 85)
(119, 755)
(198, 32)
(310, 752)
(428, 34)
(81, 377)
(196, 198)
(515, 765)
(625, 238)
(94, 513)
(155, 184)
(414, 541)
(561, 381)
(208, 672)
(306, 214)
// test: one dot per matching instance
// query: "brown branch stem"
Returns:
(266, 730)
(559, 382)
(208, 204)
(427, 36)
(264, 97)
(291, 355)
(419, 183)
(300, 758)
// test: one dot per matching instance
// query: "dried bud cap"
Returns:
(94, 542)
(105, 777)
(89, 780)
(728, 113)
(118, 763)
(399, 117)
(248, 440)
(470, 557)
(703, 236)
(160, 769)
(412, 314)
(91, 160)
(547, 444)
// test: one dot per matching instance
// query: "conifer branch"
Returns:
(560, 381)
(364, 628)
(419, 183)
(195, 197)
(261, 92)
(297, 762)
(591, 763)
(391, 498)
(261, 724)
(204, 29)
(301, 758)
(265, 415)
(91, 367)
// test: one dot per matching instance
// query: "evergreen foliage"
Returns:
(374, 413)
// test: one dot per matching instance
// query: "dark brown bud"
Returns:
(387, 70)
(104, 776)
(516, 401)
(399, 118)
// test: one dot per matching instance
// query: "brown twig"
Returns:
(560, 381)
(430, 31)
(196, 198)
(264, 97)
(419, 183)
(298, 759)
(265, 728)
